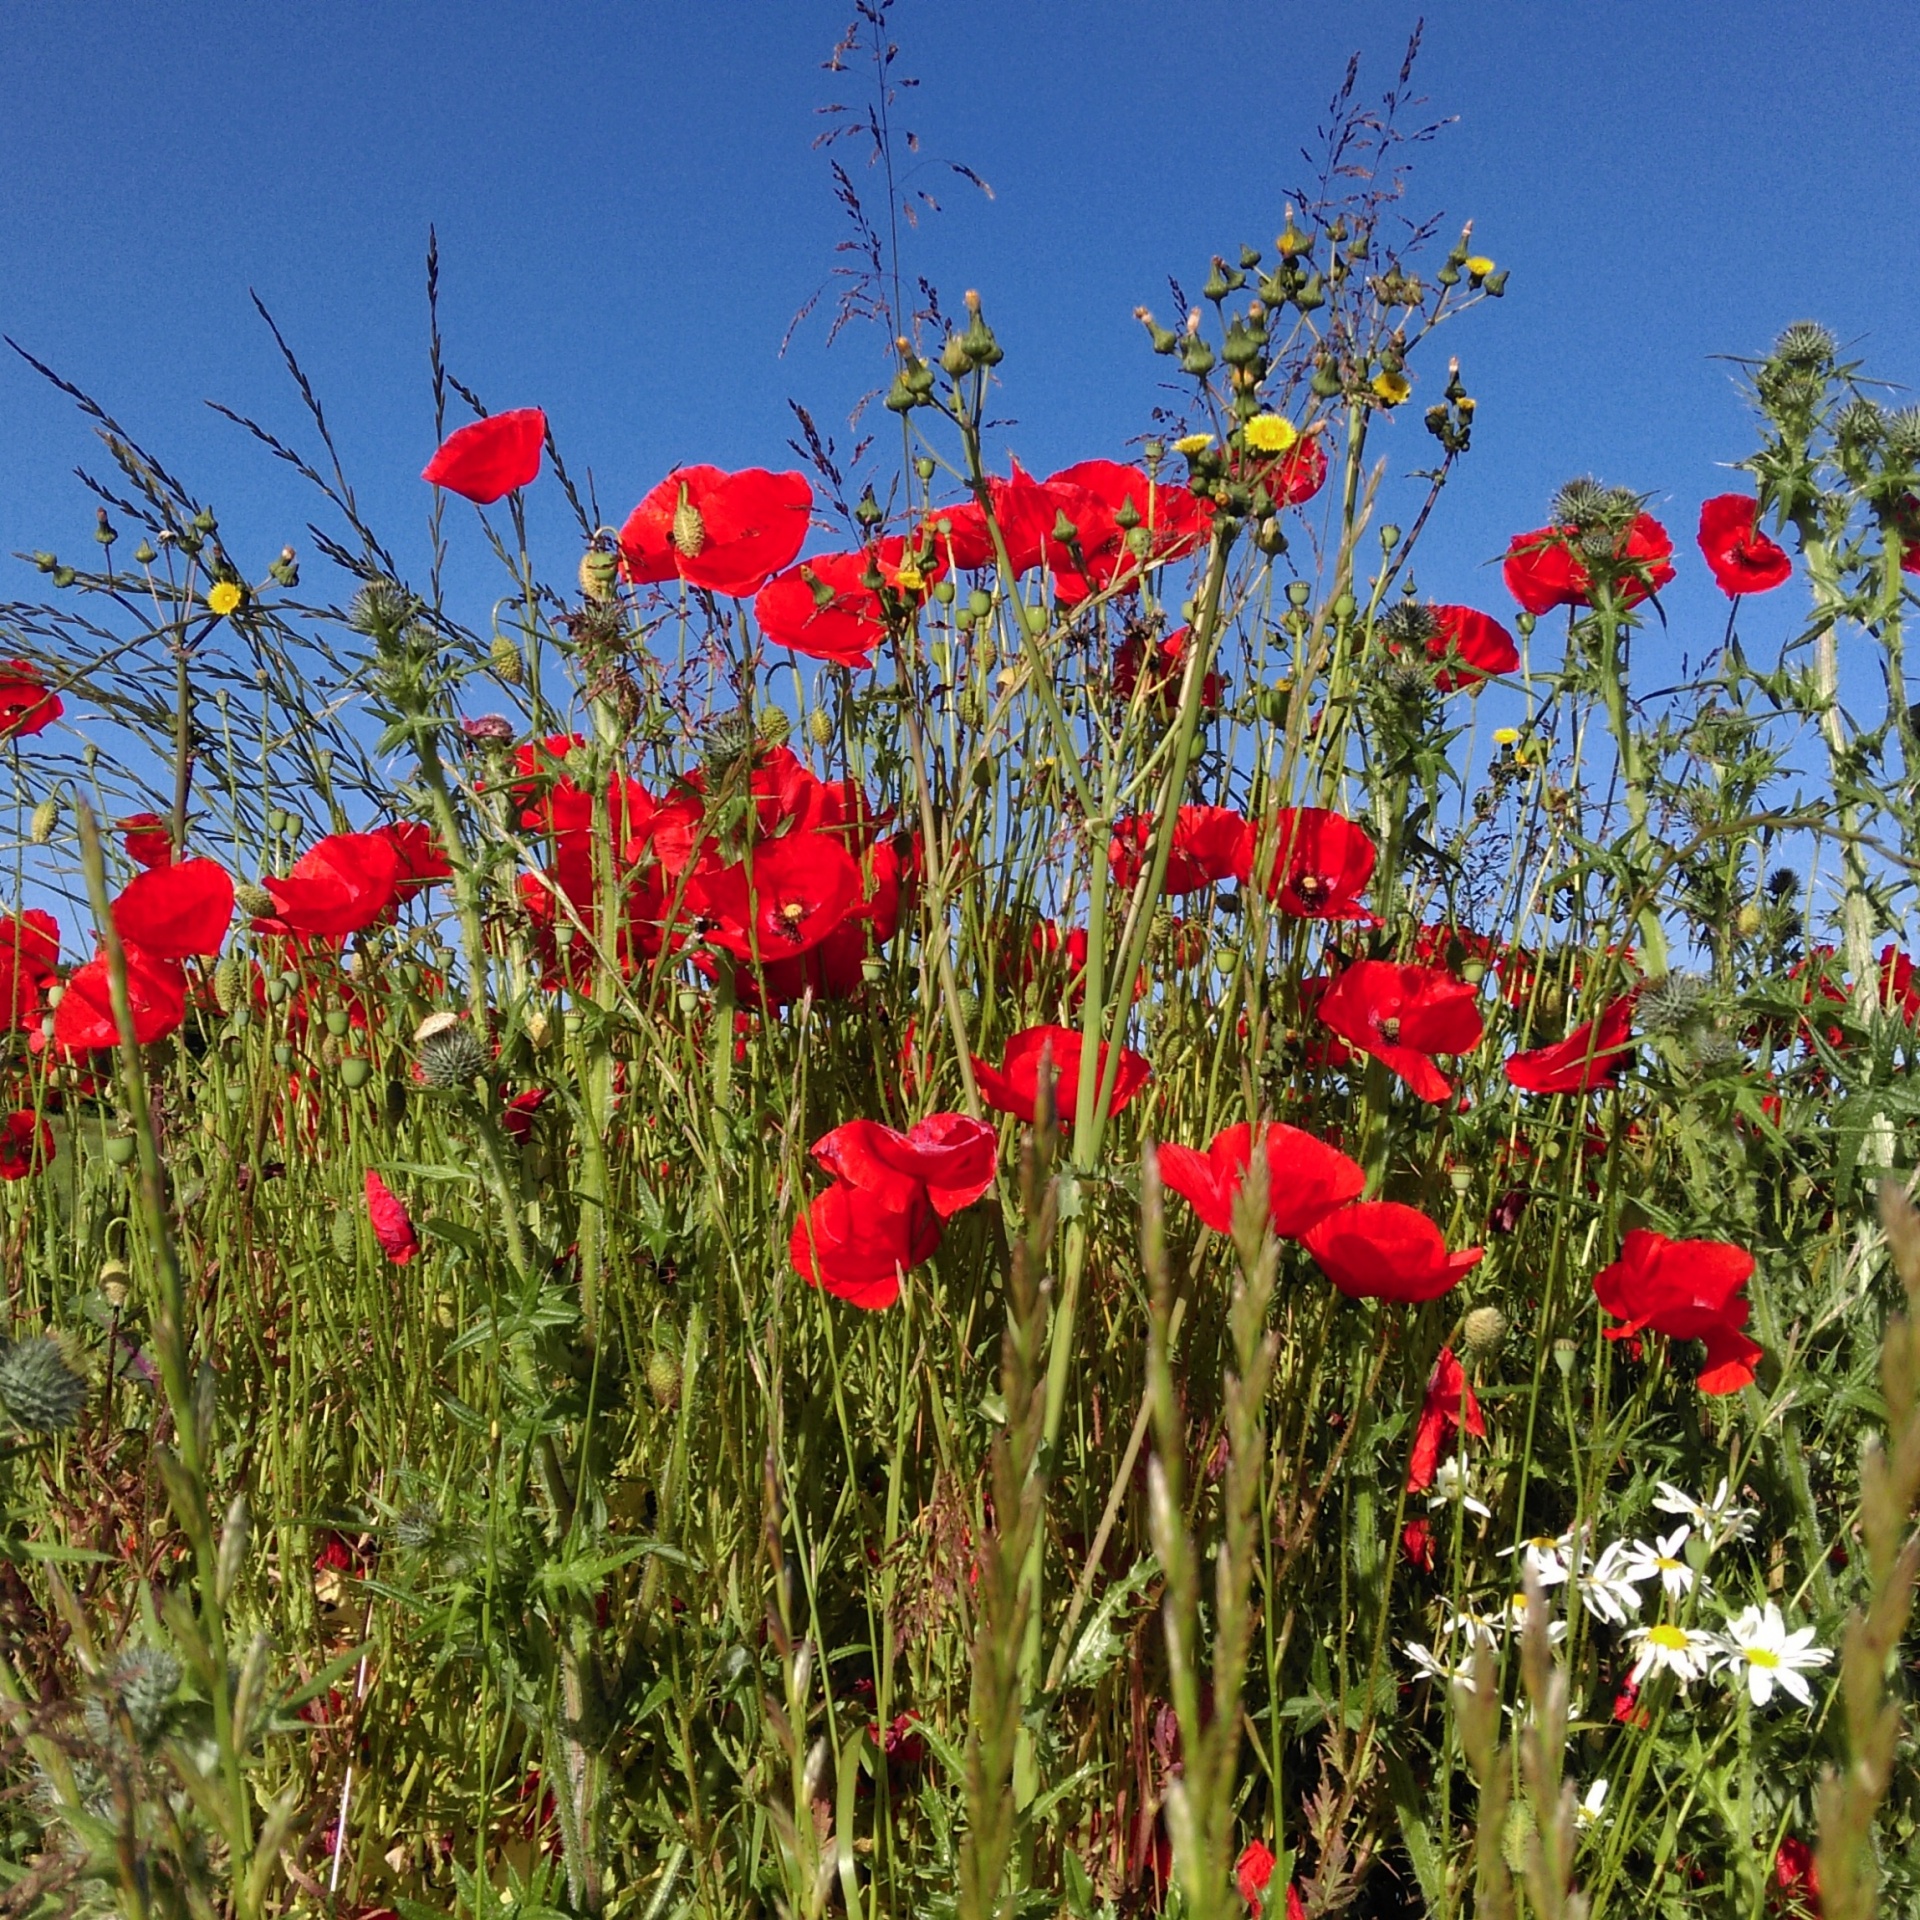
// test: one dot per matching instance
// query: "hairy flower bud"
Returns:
(1486, 1329)
(504, 658)
(38, 1390)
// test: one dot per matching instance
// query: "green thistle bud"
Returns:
(39, 1391)
(1806, 344)
(504, 658)
(1902, 431)
(254, 900)
(663, 1378)
(1408, 625)
(46, 816)
(1860, 423)
(1671, 1003)
(820, 726)
(381, 610)
(416, 1526)
(1486, 1329)
(727, 740)
(1714, 1049)
(772, 727)
(453, 1059)
(146, 1686)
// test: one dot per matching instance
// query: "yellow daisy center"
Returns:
(1673, 1639)
(1761, 1656)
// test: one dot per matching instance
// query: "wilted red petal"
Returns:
(488, 459)
(1209, 845)
(392, 1226)
(1449, 1402)
(177, 911)
(147, 840)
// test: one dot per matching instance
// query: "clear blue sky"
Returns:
(629, 215)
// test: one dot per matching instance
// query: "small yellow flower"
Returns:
(1479, 265)
(1192, 443)
(1271, 433)
(1505, 736)
(223, 597)
(910, 579)
(1391, 387)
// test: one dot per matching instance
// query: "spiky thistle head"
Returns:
(1408, 624)
(727, 740)
(1671, 1003)
(141, 1694)
(1860, 424)
(1902, 433)
(1807, 346)
(1715, 1049)
(417, 1526)
(1588, 505)
(381, 610)
(452, 1058)
(39, 1390)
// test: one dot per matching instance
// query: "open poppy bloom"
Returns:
(147, 840)
(1742, 558)
(1321, 863)
(1380, 1250)
(1306, 1178)
(1014, 1086)
(1122, 524)
(1209, 845)
(783, 902)
(1252, 1873)
(29, 952)
(391, 1223)
(422, 860)
(25, 704)
(1448, 1402)
(1544, 570)
(824, 609)
(342, 884)
(1469, 645)
(156, 996)
(1590, 1056)
(949, 1157)
(487, 460)
(179, 910)
(853, 1245)
(1402, 1016)
(1296, 475)
(1158, 671)
(1686, 1290)
(726, 533)
(26, 1144)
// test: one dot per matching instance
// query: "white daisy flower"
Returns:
(1516, 1619)
(1606, 1591)
(1450, 1483)
(1684, 1652)
(1481, 1629)
(1663, 1562)
(1592, 1806)
(1720, 1519)
(1549, 1557)
(1757, 1643)
(1429, 1666)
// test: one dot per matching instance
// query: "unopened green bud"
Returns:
(772, 726)
(1486, 1329)
(504, 658)
(46, 816)
(254, 900)
(820, 726)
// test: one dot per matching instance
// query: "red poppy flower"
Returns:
(1252, 1873)
(1543, 571)
(156, 994)
(172, 912)
(823, 609)
(1449, 1402)
(1321, 863)
(1097, 496)
(1013, 1086)
(1797, 1875)
(853, 1245)
(1162, 668)
(1380, 1250)
(1471, 645)
(1742, 558)
(1306, 1178)
(26, 1145)
(29, 952)
(490, 458)
(1590, 1056)
(947, 1156)
(1402, 1015)
(25, 704)
(422, 859)
(1299, 473)
(147, 840)
(798, 890)
(727, 533)
(392, 1225)
(1209, 845)
(517, 1118)
(340, 885)
(1416, 1542)
(1687, 1290)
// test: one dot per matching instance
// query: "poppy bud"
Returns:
(254, 900)
(599, 574)
(1486, 1328)
(689, 534)
(46, 816)
(663, 1378)
(504, 658)
(820, 726)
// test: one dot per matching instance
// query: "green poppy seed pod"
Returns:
(1389, 537)
(979, 603)
(344, 1232)
(663, 1378)
(820, 727)
(46, 816)
(687, 1000)
(282, 1054)
(337, 1021)
(963, 619)
(1036, 618)
(355, 1072)
(925, 467)
(504, 659)
(120, 1149)
(1298, 593)
(1564, 1353)
(943, 591)
(1486, 1329)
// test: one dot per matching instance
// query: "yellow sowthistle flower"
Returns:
(1271, 433)
(1192, 443)
(1391, 387)
(1505, 736)
(909, 579)
(223, 597)
(1479, 265)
